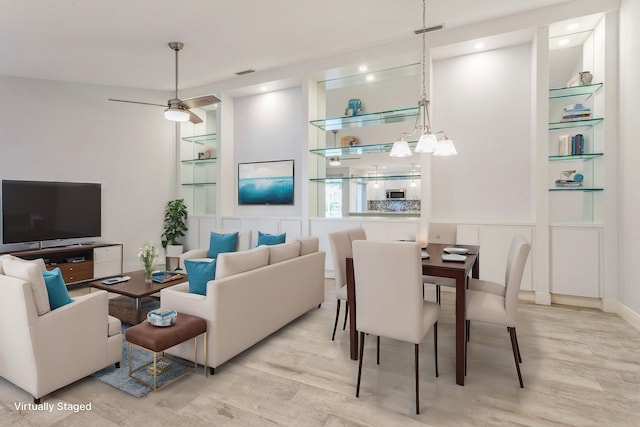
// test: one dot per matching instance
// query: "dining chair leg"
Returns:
(417, 346)
(468, 330)
(435, 345)
(517, 346)
(335, 324)
(512, 333)
(378, 350)
(360, 363)
(438, 294)
(346, 316)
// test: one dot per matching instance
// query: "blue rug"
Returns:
(119, 377)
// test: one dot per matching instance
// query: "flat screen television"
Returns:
(34, 211)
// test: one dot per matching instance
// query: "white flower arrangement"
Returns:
(148, 254)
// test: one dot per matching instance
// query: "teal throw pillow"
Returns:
(270, 239)
(220, 243)
(56, 288)
(199, 273)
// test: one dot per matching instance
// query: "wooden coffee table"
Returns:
(136, 288)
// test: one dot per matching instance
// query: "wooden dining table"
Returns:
(432, 266)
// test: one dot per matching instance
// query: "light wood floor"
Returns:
(581, 367)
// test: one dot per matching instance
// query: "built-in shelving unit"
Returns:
(367, 119)
(198, 171)
(582, 94)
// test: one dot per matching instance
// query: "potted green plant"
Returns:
(175, 226)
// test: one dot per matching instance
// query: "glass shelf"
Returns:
(367, 119)
(365, 178)
(200, 161)
(576, 189)
(566, 92)
(575, 157)
(358, 149)
(196, 184)
(575, 123)
(201, 139)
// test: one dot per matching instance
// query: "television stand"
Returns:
(80, 262)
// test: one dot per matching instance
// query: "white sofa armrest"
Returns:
(179, 299)
(194, 254)
(60, 330)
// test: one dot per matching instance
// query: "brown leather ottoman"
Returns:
(157, 339)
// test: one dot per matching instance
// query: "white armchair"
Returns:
(41, 354)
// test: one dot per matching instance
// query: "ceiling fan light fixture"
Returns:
(176, 114)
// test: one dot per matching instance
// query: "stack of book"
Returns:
(575, 112)
(165, 276)
(567, 183)
(162, 317)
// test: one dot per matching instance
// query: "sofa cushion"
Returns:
(283, 251)
(219, 243)
(239, 262)
(2, 258)
(271, 239)
(56, 288)
(308, 245)
(31, 272)
(199, 273)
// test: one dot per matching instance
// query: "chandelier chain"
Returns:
(424, 49)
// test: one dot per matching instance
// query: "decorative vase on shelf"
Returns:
(147, 255)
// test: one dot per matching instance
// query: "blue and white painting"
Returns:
(265, 183)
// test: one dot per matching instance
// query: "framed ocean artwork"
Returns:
(265, 183)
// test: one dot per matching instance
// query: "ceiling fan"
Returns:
(179, 110)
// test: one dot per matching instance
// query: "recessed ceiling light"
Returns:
(263, 88)
(363, 68)
(478, 46)
(370, 77)
(573, 26)
(563, 42)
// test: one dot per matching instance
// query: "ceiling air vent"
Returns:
(242, 73)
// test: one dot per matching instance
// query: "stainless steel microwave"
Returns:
(397, 194)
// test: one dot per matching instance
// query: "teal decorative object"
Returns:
(354, 107)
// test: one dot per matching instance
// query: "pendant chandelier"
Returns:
(428, 142)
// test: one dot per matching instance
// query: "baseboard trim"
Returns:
(542, 298)
(629, 315)
(576, 301)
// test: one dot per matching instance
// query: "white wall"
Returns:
(55, 131)
(629, 153)
(269, 127)
(483, 103)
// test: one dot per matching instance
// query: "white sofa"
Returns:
(255, 293)
(42, 353)
(244, 242)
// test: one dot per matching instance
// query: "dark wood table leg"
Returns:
(138, 310)
(351, 301)
(461, 283)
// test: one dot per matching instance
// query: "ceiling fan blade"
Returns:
(200, 101)
(138, 102)
(194, 119)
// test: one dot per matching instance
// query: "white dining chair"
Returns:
(340, 243)
(488, 307)
(388, 277)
